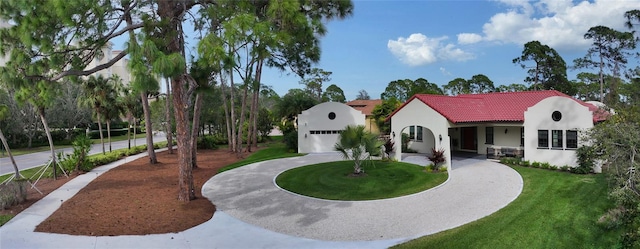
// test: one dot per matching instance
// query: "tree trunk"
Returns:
(129, 131)
(601, 74)
(100, 131)
(252, 113)
(197, 107)
(109, 133)
(13, 161)
(167, 114)
(232, 108)
(185, 177)
(240, 128)
(147, 124)
(227, 118)
(256, 103)
(135, 131)
(54, 164)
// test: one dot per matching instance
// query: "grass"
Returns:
(28, 173)
(384, 180)
(24, 151)
(274, 150)
(555, 210)
(4, 218)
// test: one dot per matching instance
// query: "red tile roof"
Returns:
(492, 107)
(365, 106)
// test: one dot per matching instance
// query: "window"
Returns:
(521, 136)
(572, 139)
(412, 132)
(332, 115)
(556, 116)
(419, 133)
(556, 138)
(489, 135)
(543, 139)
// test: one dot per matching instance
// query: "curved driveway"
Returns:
(476, 188)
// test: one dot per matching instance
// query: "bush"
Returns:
(545, 165)
(207, 142)
(535, 165)
(565, 168)
(525, 163)
(78, 159)
(437, 158)
(405, 142)
(388, 147)
(290, 140)
(586, 155)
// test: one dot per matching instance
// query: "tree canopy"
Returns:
(402, 90)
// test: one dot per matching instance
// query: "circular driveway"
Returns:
(476, 188)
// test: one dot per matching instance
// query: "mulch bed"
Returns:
(135, 198)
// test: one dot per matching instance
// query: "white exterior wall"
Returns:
(317, 119)
(119, 68)
(538, 117)
(500, 138)
(417, 112)
(422, 146)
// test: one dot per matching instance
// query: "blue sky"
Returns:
(385, 41)
(442, 40)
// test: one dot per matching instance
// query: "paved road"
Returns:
(40, 158)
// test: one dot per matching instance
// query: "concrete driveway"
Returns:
(252, 212)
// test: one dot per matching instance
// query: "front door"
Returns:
(469, 138)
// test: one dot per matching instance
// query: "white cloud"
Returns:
(419, 49)
(469, 38)
(560, 24)
(444, 71)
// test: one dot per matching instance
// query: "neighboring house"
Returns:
(320, 126)
(366, 107)
(539, 126)
(119, 68)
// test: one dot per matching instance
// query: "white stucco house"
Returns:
(320, 126)
(540, 126)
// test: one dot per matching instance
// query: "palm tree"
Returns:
(132, 105)
(100, 95)
(357, 144)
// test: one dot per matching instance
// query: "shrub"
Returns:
(437, 158)
(586, 155)
(207, 142)
(545, 165)
(388, 147)
(525, 163)
(565, 168)
(290, 140)
(553, 167)
(535, 165)
(405, 142)
(78, 159)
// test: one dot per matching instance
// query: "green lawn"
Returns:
(5, 218)
(555, 210)
(24, 151)
(384, 180)
(275, 149)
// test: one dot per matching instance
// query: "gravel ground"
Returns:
(476, 188)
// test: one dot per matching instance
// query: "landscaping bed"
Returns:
(132, 199)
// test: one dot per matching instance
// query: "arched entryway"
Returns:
(417, 139)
